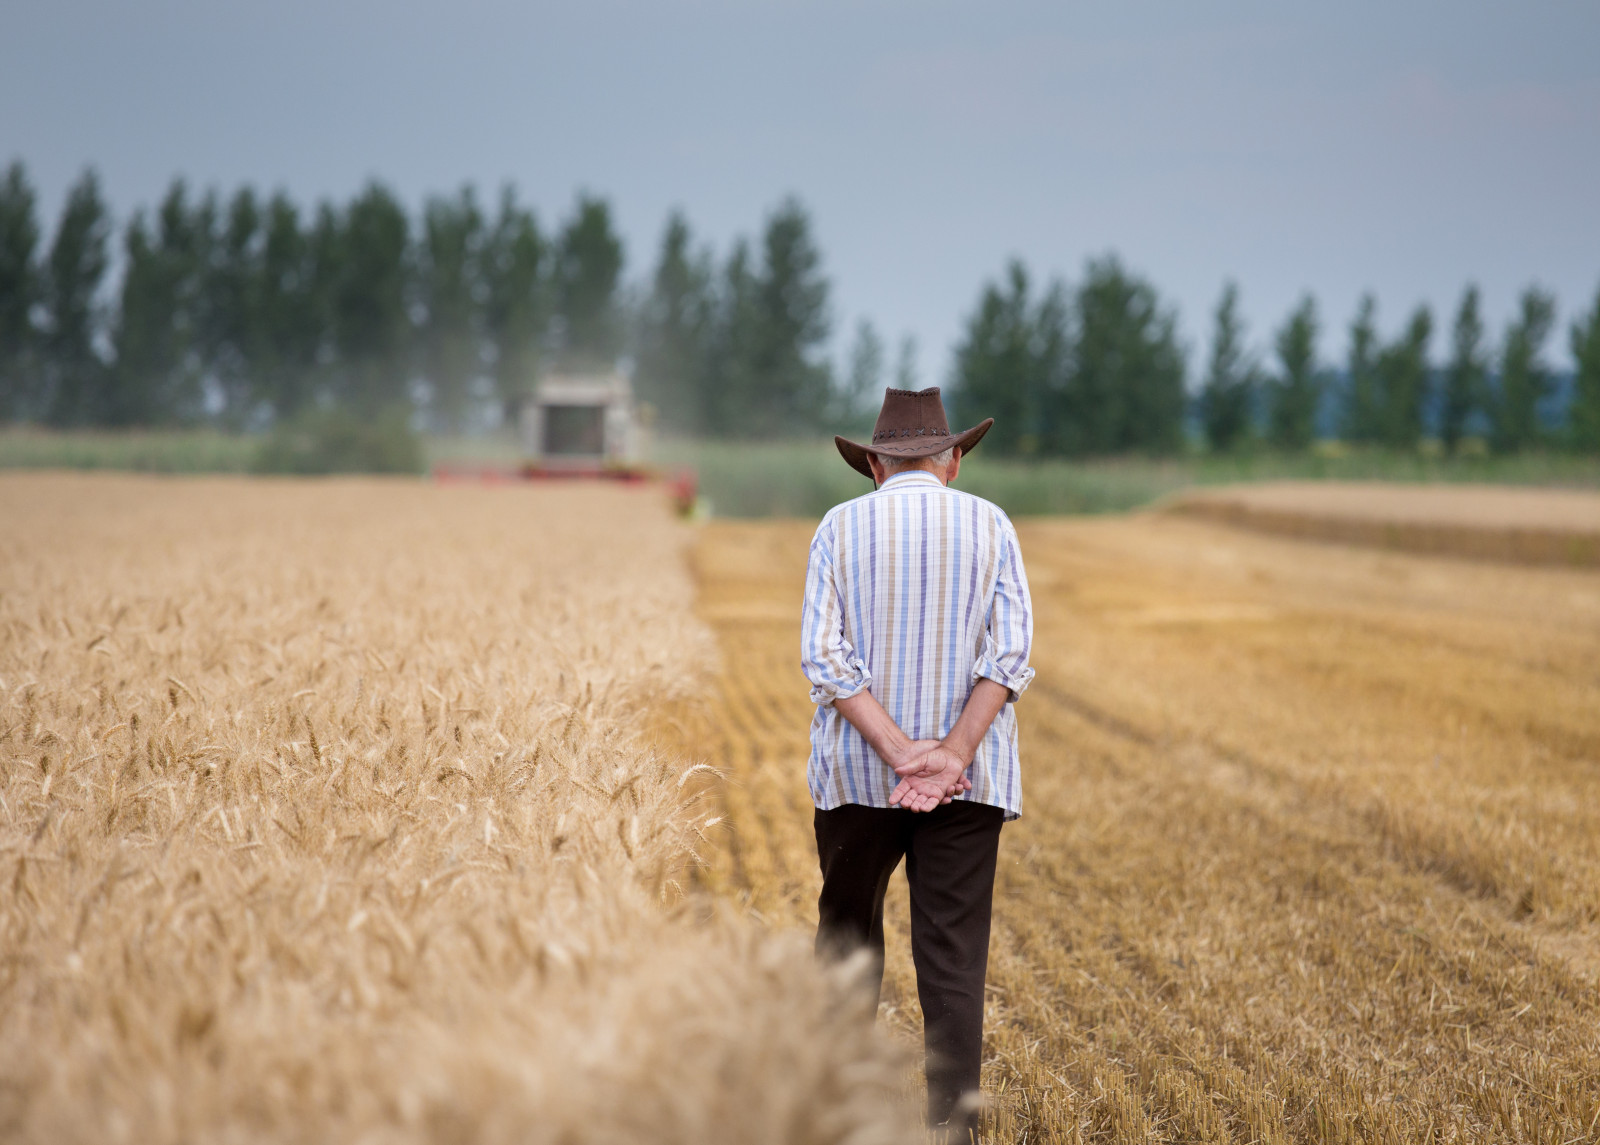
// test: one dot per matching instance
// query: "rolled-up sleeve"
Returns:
(826, 657)
(1008, 636)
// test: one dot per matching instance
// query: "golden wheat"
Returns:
(325, 815)
(1310, 848)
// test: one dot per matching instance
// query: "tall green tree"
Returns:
(144, 336)
(158, 365)
(766, 375)
(1466, 378)
(291, 312)
(20, 290)
(1056, 376)
(906, 374)
(863, 387)
(1584, 416)
(1403, 376)
(588, 266)
(1228, 396)
(1363, 411)
(1123, 386)
(232, 286)
(1296, 389)
(999, 371)
(676, 326)
(518, 308)
(74, 273)
(454, 289)
(1052, 389)
(1524, 376)
(731, 389)
(791, 328)
(371, 325)
(149, 343)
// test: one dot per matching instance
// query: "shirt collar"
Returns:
(912, 477)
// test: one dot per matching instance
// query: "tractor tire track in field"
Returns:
(1310, 848)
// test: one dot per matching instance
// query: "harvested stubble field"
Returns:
(325, 815)
(1310, 847)
(1494, 522)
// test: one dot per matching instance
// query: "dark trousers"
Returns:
(950, 855)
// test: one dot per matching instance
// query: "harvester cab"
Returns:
(578, 424)
(582, 426)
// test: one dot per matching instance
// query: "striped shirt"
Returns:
(914, 591)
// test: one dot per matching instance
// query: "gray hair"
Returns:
(900, 464)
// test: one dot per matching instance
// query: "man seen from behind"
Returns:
(916, 634)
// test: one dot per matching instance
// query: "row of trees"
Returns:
(1099, 369)
(1394, 393)
(245, 310)
(737, 348)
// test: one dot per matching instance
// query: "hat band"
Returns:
(924, 431)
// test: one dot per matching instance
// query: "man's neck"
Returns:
(916, 471)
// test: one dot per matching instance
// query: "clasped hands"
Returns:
(931, 773)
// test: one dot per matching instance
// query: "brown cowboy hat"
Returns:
(910, 424)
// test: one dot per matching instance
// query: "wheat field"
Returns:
(374, 811)
(1310, 847)
(329, 811)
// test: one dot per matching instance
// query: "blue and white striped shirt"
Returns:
(914, 591)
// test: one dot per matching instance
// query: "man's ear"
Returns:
(955, 465)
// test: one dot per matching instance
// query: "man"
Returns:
(915, 637)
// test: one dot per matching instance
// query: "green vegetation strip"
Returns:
(786, 478)
(806, 479)
(142, 451)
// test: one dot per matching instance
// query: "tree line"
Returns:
(1396, 393)
(244, 311)
(1098, 369)
(231, 311)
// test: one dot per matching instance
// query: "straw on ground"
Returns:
(1310, 848)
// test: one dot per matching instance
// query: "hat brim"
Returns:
(856, 454)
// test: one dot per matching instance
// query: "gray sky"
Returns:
(1405, 148)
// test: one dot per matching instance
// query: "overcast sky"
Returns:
(1405, 148)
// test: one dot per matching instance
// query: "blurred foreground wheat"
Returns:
(325, 815)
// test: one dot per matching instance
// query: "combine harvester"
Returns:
(579, 427)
